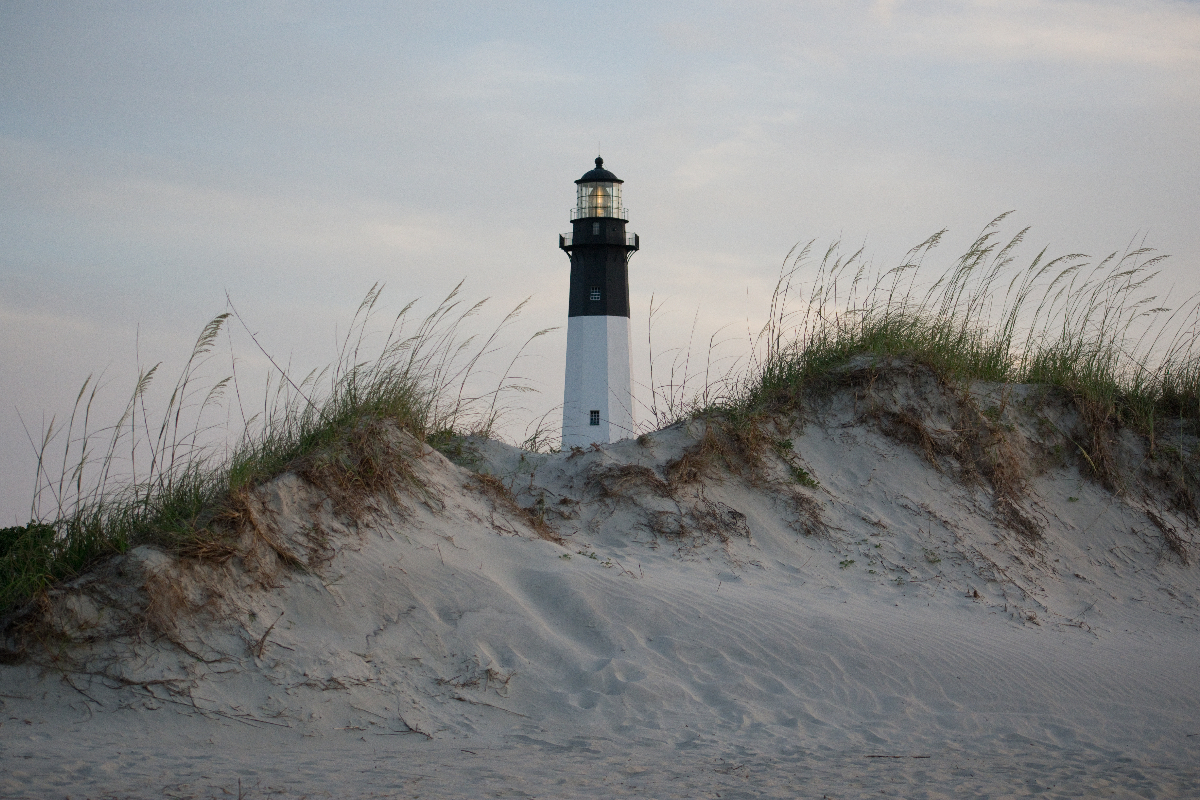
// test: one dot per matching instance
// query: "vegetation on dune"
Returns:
(1092, 333)
(143, 482)
(1093, 329)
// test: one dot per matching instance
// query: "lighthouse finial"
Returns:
(599, 162)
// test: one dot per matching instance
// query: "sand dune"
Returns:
(638, 620)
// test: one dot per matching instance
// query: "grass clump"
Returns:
(178, 483)
(29, 552)
(1093, 329)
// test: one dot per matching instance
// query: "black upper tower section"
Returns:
(599, 247)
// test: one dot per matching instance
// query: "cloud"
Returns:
(166, 206)
(1082, 32)
(849, 36)
(295, 155)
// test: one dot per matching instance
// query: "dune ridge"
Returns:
(905, 588)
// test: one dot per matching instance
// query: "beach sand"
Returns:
(645, 620)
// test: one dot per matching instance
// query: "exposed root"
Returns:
(713, 518)
(690, 514)
(975, 446)
(705, 519)
(211, 547)
(1099, 427)
(906, 426)
(1015, 518)
(618, 481)
(737, 447)
(252, 513)
(25, 627)
(1176, 476)
(166, 602)
(495, 490)
(809, 519)
(1171, 537)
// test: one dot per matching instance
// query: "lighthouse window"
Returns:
(595, 229)
(594, 294)
(593, 418)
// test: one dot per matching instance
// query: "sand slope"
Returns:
(991, 633)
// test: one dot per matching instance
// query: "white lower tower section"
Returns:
(598, 387)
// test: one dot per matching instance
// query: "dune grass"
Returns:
(1092, 328)
(141, 481)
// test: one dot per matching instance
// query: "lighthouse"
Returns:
(598, 397)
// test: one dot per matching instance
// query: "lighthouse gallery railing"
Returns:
(568, 240)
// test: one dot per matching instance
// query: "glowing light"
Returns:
(600, 202)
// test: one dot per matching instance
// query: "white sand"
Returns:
(442, 649)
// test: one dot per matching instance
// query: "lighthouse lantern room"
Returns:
(598, 396)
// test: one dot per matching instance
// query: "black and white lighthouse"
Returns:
(598, 398)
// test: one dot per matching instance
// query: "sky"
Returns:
(158, 160)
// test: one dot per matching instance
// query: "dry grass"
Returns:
(1096, 330)
(622, 480)
(696, 520)
(171, 597)
(976, 446)
(738, 445)
(1100, 428)
(907, 426)
(716, 519)
(1171, 538)
(370, 461)
(502, 499)
(810, 519)
(140, 482)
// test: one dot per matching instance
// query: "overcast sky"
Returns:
(155, 156)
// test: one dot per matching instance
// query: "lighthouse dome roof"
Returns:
(599, 174)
